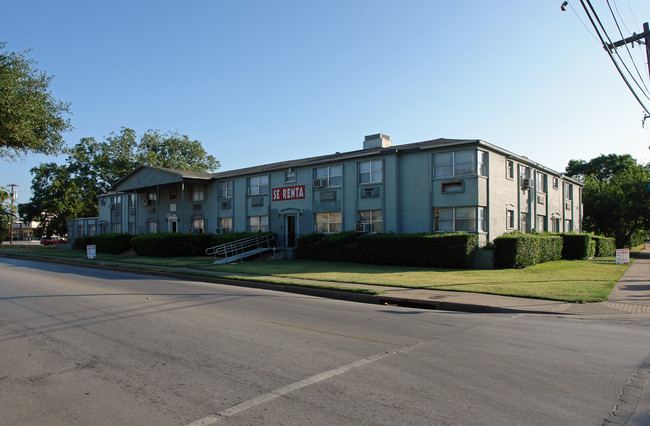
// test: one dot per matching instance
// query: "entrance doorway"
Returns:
(290, 233)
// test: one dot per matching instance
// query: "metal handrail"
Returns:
(240, 246)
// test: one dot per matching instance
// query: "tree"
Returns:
(5, 212)
(69, 191)
(616, 202)
(30, 118)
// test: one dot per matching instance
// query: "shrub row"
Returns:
(158, 245)
(106, 243)
(433, 250)
(518, 250)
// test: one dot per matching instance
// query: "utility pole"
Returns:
(13, 196)
(645, 36)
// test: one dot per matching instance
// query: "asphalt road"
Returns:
(84, 346)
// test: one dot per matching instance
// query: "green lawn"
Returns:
(573, 281)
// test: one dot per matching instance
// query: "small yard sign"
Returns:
(622, 256)
(91, 251)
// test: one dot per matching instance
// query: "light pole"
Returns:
(13, 196)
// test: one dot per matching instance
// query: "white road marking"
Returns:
(269, 396)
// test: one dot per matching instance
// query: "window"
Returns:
(81, 230)
(460, 163)
(133, 198)
(567, 226)
(258, 223)
(290, 176)
(482, 161)
(371, 171)
(225, 223)
(152, 226)
(510, 219)
(333, 175)
(450, 219)
(329, 222)
(541, 182)
(172, 192)
(540, 226)
(225, 188)
(555, 224)
(556, 183)
(510, 169)
(374, 217)
(523, 222)
(197, 193)
(132, 228)
(568, 191)
(258, 185)
(451, 187)
(116, 228)
(524, 172)
(482, 219)
(92, 230)
(116, 201)
(198, 225)
(151, 199)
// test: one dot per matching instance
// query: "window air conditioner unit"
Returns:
(363, 227)
(320, 183)
(526, 183)
(226, 204)
(222, 230)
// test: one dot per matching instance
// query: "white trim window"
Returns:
(510, 219)
(540, 225)
(332, 174)
(258, 185)
(456, 219)
(225, 188)
(374, 217)
(458, 163)
(152, 226)
(225, 224)
(258, 223)
(510, 169)
(198, 225)
(524, 222)
(329, 223)
(371, 172)
(198, 192)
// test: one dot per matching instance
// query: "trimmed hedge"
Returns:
(605, 246)
(577, 246)
(171, 244)
(433, 250)
(518, 250)
(106, 243)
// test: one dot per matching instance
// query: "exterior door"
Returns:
(290, 235)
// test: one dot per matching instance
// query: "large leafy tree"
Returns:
(31, 120)
(63, 192)
(615, 199)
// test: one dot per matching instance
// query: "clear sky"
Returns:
(264, 81)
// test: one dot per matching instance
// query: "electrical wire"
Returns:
(582, 2)
(582, 22)
(645, 92)
(619, 15)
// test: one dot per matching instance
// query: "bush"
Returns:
(433, 250)
(604, 246)
(106, 243)
(577, 246)
(519, 250)
(171, 244)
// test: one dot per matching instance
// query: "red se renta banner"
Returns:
(288, 193)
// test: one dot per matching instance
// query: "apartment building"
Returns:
(441, 185)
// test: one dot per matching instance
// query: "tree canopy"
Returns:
(615, 200)
(63, 192)
(31, 120)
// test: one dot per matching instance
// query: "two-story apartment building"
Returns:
(441, 185)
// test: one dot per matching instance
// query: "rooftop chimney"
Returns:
(376, 141)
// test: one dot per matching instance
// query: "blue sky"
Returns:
(264, 81)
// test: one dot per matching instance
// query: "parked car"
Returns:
(52, 241)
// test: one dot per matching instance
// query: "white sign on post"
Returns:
(622, 256)
(91, 251)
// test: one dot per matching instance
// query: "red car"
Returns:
(52, 241)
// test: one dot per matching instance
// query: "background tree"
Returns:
(69, 191)
(5, 213)
(30, 118)
(616, 202)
